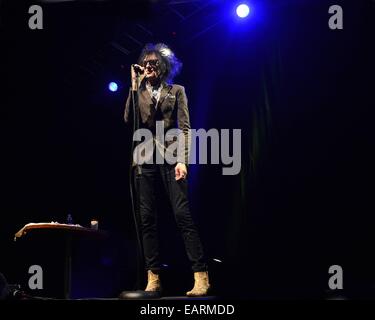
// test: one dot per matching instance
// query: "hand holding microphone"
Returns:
(136, 71)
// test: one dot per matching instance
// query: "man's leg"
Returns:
(178, 195)
(147, 211)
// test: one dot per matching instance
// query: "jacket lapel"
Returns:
(166, 89)
(145, 103)
(147, 107)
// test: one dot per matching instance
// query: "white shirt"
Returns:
(154, 92)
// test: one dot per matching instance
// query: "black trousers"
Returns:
(177, 194)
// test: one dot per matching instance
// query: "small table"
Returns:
(69, 230)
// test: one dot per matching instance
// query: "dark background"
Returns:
(300, 92)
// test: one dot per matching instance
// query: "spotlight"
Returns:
(243, 10)
(113, 86)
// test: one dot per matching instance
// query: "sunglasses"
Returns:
(152, 62)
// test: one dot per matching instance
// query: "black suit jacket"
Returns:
(172, 109)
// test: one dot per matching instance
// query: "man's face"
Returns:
(151, 65)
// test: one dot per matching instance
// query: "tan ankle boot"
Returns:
(153, 281)
(201, 285)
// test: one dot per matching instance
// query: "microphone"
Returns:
(137, 69)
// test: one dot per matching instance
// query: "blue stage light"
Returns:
(243, 10)
(113, 86)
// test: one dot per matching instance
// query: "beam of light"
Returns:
(113, 86)
(243, 10)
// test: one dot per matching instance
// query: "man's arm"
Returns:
(183, 122)
(135, 81)
(128, 113)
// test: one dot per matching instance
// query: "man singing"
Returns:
(160, 100)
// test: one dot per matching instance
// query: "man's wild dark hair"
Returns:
(169, 65)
